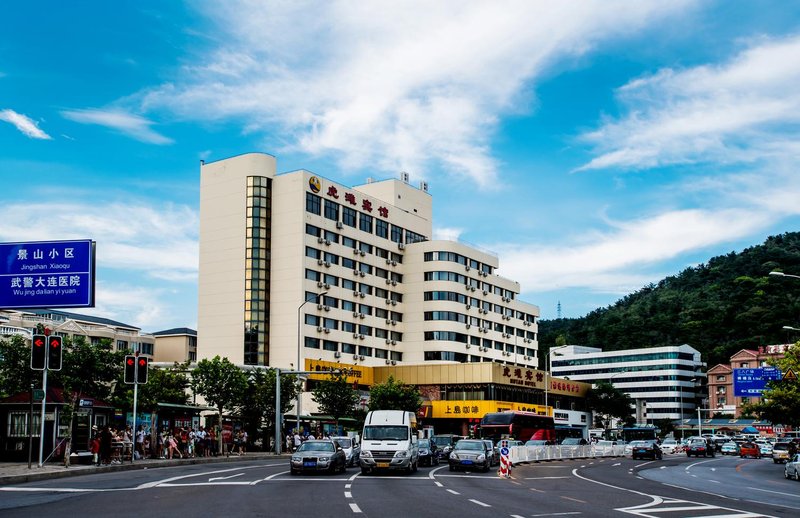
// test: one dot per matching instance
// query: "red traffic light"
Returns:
(142, 362)
(54, 353)
(39, 352)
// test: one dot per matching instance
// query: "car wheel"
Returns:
(364, 471)
(452, 468)
(294, 473)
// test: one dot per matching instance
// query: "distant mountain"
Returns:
(731, 303)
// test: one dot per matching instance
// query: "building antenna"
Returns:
(558, 309)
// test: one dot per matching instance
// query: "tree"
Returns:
(394, 395)
(221, 383)
(608, 402)
(258, 402)
(780, 403)
(16, 374)
(335, 396)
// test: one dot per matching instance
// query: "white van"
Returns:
(389, 441)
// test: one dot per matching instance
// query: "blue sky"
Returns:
(596, 147)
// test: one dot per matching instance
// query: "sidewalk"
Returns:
(18, 472)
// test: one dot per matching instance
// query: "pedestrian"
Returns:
(95, 446)
(105, 445)
(140, 433)
(289, 442)
(243, 442)
(172, 447)
(297, 440)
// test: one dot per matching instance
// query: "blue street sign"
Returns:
(752, 382)
(772, 374)
(504, 451)
(47, 274)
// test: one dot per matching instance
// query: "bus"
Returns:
(640, 433)
(524, 426)
(568, 432)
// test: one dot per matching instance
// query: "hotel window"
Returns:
(312, 343)
(396, 356)
(365, 223)
(381, 353)
(329, 345)
(720, 378)
(348, 348)
(349, 242)
(313, 203)
(311, 230)
(381, 228)
(364, 350)
(349, 217)
(397, 234)
(331, 210)
(348, 327)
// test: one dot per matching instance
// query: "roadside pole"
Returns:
(30, 431)
(41, 430)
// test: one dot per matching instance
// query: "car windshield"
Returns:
(640, 443)
(571, 440)
(537, 442)
(470, 445)
(385, 433)
(344, 443)
(781, 446)
(670, 441)
(316, 446)
(424, 443)
(442, 440)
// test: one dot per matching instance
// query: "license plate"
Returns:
(310, 464)
(466, 462)
(382, 464)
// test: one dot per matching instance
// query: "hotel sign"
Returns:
(47, 274)
(355, 373)
(315, 185)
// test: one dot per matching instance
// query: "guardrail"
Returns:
(519, 454)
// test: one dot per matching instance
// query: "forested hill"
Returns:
(728, 304)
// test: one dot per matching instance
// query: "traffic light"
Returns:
(39, 353)
(141, 369)
(130, 369)
(54, 353)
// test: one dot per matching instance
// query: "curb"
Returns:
(140, 465)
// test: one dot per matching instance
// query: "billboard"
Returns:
(752, 382)
(47, 274)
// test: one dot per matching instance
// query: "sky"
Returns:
(596, 146)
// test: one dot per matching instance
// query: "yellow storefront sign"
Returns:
(355, 373)
(475, 409)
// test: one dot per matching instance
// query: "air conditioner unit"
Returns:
(394, 362)
(327, 308)
(327, 264)
(388, 301)
(394, 263)
(327, 242)
(327, 286)
(388, 321)
(361, 295)
(355, 357)
(466, 267)
(394, 342)
(319, 306)
(327, 330)
(388, 341)
(319, 329)
(394, 322)
(360, 336)
(339, 224)
(394, 283)
(337, 354)
(394, 303)
(468, 306)
(361, 357)
(361, 315)
(387, 362)
(361, 273)
(355, 313)
(472, 288)
(355, 335)
(355, 272)
(320, 262)
(320, 240)
(388, 261)
(362, 253)
(355, 251)
(468, 326)
(320, 284)
(485, 292)
(401, 246)
(468, 346)
(388, 281)
(355, 293)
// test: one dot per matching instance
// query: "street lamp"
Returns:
(547, 368)
(781, 274)
(300, 350)
(692, 381)
(790, 328)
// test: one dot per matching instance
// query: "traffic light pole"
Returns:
(41, 430)
(133, 429)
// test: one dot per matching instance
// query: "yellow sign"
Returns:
(355, 373)
(314, 184)
(790, 375)
(477, 408)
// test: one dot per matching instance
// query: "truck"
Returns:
(389, 441)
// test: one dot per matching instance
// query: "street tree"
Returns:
(608, 403)
(16, 374)
(780, 402)
(257, 405)
(394, 395)
(335, 396)
(221, 383)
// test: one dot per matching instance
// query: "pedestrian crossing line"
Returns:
(661, 507)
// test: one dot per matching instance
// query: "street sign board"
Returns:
(790, 375)
(752, 382)
(47, 274)
(38, 394)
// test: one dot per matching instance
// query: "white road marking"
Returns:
(542, 478)
(557, 514)
(663, 467)
(438, 483)
(347, 486)
(776, 492)
(355, 508)
(690, 466)
(212, 479)
(348, 494)
(453, 492)
(479, 503)
(617, 464)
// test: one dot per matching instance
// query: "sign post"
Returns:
(505, 465)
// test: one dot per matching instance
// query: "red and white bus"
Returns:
(523, 426)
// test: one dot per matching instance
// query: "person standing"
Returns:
(105, 445)
(297, 440)
(140, 441)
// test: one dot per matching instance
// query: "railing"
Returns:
(543, 453)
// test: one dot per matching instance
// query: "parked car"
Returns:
(781, 452)
(315, 456)
(645, 449)
(428, 453)
(792, 468)
(730, 448)
(699, 446)
(493, 452)
(749, 449)
(671, 446)
(444, 444)
(606, 447)
(352, 451)
(470, 454)
(764, 449)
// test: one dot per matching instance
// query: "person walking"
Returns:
(297, 440)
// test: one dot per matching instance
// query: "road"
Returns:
(674, 487)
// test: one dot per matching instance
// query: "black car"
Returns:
(445, 443)
(645, 449)
(700, 447)
(428, 453)
(470, 454)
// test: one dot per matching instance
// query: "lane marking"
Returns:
(438, 483)
(348, 494)
(543, 478)
(355, 508)
(479, 503)
(453, 492)
(776, 492)
(573, 499)
(537, 490)
(225, 478)
(557, 514)
(687, 468)
(347, 486)
(617, 464)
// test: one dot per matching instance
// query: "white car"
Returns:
(670, 446)
(792, 468)
(764, 448)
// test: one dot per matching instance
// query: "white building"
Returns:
(351, 273)
(662, 380)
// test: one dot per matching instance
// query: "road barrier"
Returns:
(518, 454)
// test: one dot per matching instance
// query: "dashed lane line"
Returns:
(479, 503)
(453, 491)
(348, 494)
(355, 508)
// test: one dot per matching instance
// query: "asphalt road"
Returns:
(675, 487)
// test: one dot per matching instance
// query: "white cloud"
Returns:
(24, 124)
(393, 85)
(447, 234)
(134, 126)
(728, 113)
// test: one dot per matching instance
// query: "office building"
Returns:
(663, 381)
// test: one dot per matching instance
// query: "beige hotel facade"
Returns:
(351, 276)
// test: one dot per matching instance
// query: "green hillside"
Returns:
(728, 304)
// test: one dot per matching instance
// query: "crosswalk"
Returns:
(672, 507)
